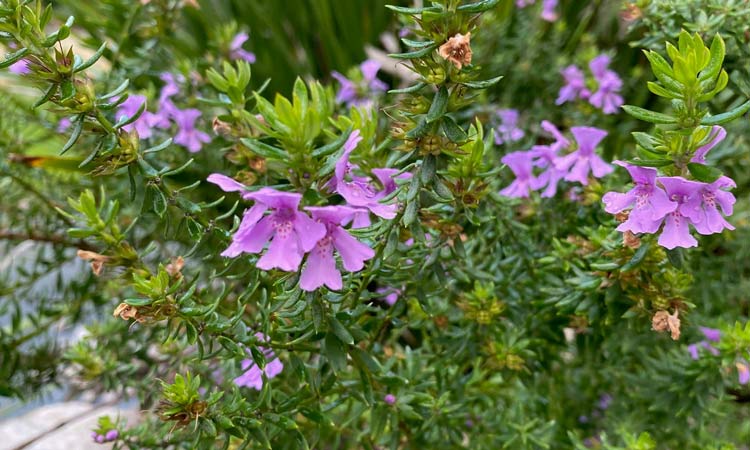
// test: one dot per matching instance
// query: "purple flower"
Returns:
(370, 69)
(167, 109)
(237, 52)
(348, 91)
(99, 439)
(508, 130)
(712, 334)
(63, 125)
(390, 399)
(676, 232)
(606, 97)
(575, 85)
(20, 67)
(253, 376)
(390, 294)
(321, 265)
(693, 350)
(524, 3)
(583, 160)
(710, 220)
(548, 10)
(359, 191)
(546, 157)
(111, 435)
(604, 401)
(716, 135)
(743, 372)
(187, 135)
(649, 202)
(292, 232)
(521, 164)
(129, 108)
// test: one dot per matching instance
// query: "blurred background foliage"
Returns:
(545, 389)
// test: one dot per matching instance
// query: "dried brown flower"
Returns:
(126, 312)
(457, 50)
(174, 268)
(97, 260)
(663, 321)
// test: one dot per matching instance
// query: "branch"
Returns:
(54, 239)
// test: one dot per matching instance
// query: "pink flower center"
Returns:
(282, 223)
(709, 198)
(323, 247)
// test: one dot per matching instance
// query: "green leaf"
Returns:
(406, 10)
(265, 150)
(646, 140)
(453, 131)
(333, 146)
(92, 60)
(13, 58)
(483, 84)
(427, 171)
(661, 91)
(649, 116)
(415, 54)
(478, 7)
(718, 51)
(704, 173)
(439, 105)
(417, 44)
(77, 128)
(408, 90)
(340, 331)
(650, 162)
(728, 116)
(636, 259)
(335, 352)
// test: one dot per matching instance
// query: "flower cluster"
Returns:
(293, 233)
(674, 201)
(542, 167)
(167, 113)
(608, 85)
(360, 93)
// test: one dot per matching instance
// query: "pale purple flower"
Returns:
(508, 130)
(676, 232)
(524, 3)
(237, 52)
(743, 372)
(575, 85)
(187, 135)
(648, 202)
(584, 160)
(370, 69)
(710, 220)
(99, 438)
(389, 399)
(693, 350)
(352, 94)
(604, 401)
(129, 108)
(606, 97)
(111, 435)
(20, 67)
(321, 267)
(716, 135)
(521, 164)
(292, 232)
(253, 376)
(389, 294)
(167, 109)
(63, 125)
(359, 191)
(548, 10)
(711, 334)
(546, 158)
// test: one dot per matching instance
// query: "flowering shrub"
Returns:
(433, 246)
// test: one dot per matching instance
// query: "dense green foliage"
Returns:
(519, 323)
